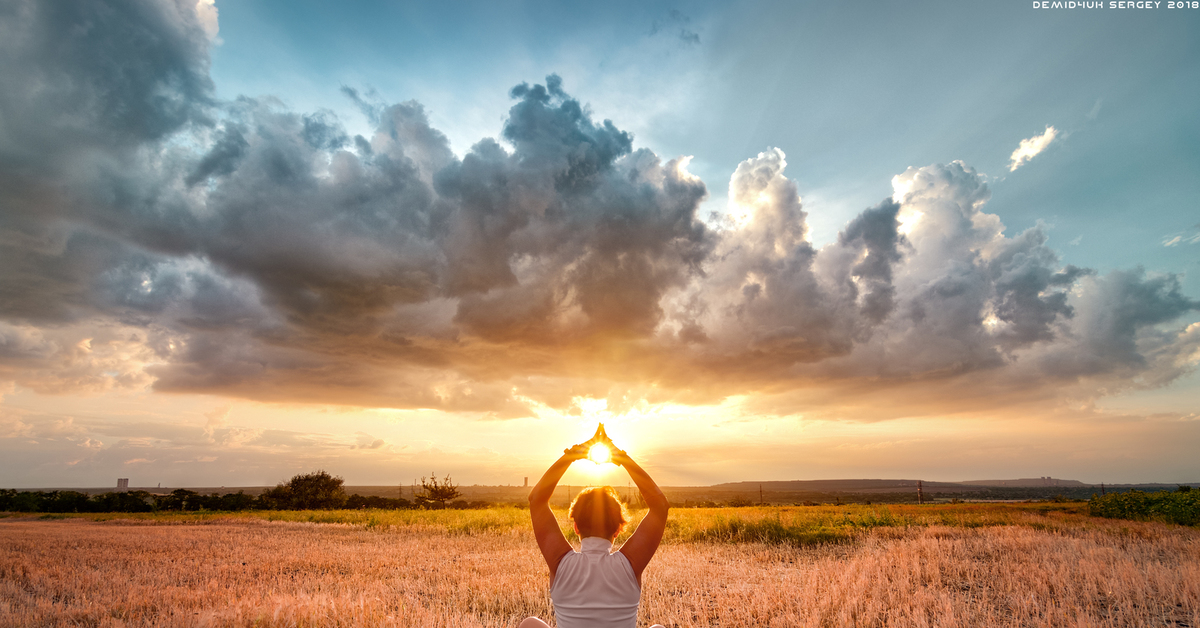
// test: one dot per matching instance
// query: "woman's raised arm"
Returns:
(549, 536)
(640, 547)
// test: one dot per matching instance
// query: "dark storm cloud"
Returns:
(21, 344)
(150, 234)
(1119, 329)
(875, 233)
(80, 74)
(90, 88)
(231, 145)
(592, 227)
(1030, 286)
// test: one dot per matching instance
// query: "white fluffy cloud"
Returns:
(206, 14)
(1031, 148)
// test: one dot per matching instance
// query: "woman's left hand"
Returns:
(576, 452)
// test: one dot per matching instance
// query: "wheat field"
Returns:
(896, 567)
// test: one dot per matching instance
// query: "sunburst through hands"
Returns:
(600, 447)
(600, 454)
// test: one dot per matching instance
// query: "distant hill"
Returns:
(841, 486)
(790, 491)
(1027, 482)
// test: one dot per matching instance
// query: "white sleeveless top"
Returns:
(595, 588)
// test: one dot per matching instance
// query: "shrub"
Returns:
(434, 492)
(1178, 507)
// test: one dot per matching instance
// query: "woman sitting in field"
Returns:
(596, 587)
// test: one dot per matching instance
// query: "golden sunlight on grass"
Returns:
(824, 566)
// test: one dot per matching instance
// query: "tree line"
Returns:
(309, 491)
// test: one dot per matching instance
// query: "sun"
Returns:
(600, 453)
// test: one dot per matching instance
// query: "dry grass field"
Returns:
(827, 566)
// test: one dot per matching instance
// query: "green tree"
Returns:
(278, 498)
(70, 501)
(26, 501)
(235, 501)
(124, 501)
(178, 499)
(309, 491)
(433, 491)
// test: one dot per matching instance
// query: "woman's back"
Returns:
(595, 587)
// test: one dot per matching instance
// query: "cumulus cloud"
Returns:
(87, 359)
(216, 419)
(206, 14)
(1031, 148)
(155, 237)
(364, 440)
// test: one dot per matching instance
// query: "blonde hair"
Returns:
(597, 511)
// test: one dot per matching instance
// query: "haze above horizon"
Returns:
(245, 240)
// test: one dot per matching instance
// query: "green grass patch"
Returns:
(794, 525)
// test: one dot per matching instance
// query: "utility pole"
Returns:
(760, 499)
(920, 493)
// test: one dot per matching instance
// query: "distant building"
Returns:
(122, 484)
(527, 481)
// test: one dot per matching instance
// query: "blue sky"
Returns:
(853, 93)
(759, 240)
